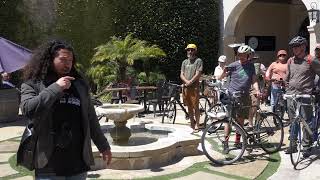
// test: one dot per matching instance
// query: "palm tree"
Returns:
(124, 52)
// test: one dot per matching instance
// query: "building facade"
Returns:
(267, 25)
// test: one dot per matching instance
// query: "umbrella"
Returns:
(12, 56)
(234, 45)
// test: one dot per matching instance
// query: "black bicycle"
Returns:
(219, 146)
(170, 111)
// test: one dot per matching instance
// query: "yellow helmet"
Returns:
(191, 46)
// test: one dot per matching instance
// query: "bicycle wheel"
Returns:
(213, 143)
(269, 132)
(295, 143)
(215, 113)
(204, 106)
(170, 112)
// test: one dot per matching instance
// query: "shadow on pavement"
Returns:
(306, 162)
(21, 121)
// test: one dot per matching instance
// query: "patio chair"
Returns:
(157, 99)
(133, 97)
(116, 95)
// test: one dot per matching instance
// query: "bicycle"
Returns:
(218, 110)
(298, 122)
(266, 134)
(170, 111)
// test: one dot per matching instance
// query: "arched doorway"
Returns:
(303, 31)
(272, 22)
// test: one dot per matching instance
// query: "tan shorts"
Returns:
(255, 101)
(191, 96)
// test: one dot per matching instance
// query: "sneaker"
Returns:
(291, 150)
(307, 152)
(225, 147)
(237, 145)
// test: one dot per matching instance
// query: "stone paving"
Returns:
(191, 167)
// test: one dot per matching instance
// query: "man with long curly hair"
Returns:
(56, 98)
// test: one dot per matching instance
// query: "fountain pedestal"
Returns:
(120, 114)
(120, 133)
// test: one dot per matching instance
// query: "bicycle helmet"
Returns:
(297, 41)
(222, 58)
(244, 49)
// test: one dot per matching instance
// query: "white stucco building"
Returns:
(266, 25)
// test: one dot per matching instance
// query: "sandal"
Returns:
(195, 131)
(201, 126)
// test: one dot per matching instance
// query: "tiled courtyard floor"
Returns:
(260, 166)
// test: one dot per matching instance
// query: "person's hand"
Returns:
(107, 156)
(187, 83)
(65, 82)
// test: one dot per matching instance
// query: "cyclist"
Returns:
(277, 71)
(302, 69)
(191, 70)
(260, 70)
(242, 76)
(219, 69)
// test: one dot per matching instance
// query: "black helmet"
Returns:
(297, 41)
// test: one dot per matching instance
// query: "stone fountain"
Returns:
(120, 114)
(177, 142)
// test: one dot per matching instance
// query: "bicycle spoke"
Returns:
(270, 132)
(214, 144)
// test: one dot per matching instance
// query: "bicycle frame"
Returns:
(298, 117)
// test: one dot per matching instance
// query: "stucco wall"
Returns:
(267, 19)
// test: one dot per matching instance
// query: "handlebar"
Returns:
(295, 96)
(214, 84)
(173, 84)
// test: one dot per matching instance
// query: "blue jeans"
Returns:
(275, 92)
(81, 176)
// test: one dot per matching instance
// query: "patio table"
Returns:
(145, 89)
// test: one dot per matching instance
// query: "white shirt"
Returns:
(218, 71)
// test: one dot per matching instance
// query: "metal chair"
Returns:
(157, 99)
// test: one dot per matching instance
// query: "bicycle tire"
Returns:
(295, 144)
(269, 132)
(214, 110)
(170, 112)
(212, 144)
(204, 106)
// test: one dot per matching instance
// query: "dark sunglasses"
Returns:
(190, 50)
(282, 55)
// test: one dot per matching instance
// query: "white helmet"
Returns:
(244, 49)
(222, 58)
(252, 50)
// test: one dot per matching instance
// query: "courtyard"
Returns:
(259, 166)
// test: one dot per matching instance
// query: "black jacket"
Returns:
(37, 103)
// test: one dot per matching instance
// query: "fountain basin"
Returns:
(179, 143)
(119, 112)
